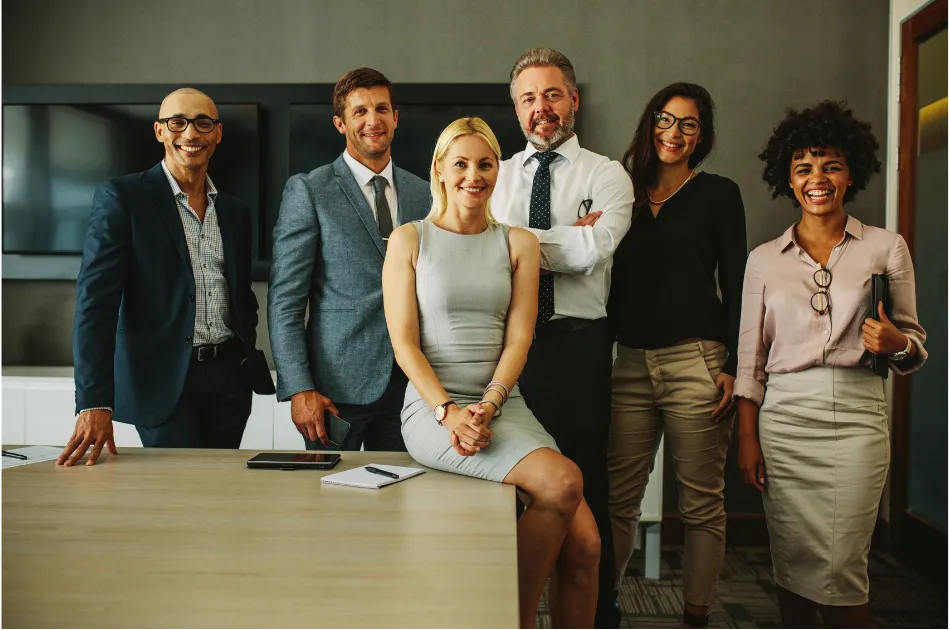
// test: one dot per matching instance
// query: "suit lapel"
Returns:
(404, 211)
(167, 208)
(353, 193)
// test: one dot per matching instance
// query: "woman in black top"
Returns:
(676, 354)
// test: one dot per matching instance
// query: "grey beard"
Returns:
(562, 133)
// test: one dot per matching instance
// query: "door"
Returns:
(919, 491)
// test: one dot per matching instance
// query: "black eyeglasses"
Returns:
(664, 120)
(204, 124)
(821, 300)
(584, 209)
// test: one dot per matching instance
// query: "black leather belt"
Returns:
(563, 326)
(216, 351)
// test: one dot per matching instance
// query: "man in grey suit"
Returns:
(329, 245)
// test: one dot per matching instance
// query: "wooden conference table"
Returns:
(192, 538)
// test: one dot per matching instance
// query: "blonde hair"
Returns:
(470, 126)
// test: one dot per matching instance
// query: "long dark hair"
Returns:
(640, 160)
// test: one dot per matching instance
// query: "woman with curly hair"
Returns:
(813, 434)
(676, 352)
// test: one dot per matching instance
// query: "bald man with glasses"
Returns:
(165, 327)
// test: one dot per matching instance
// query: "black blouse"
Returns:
(663, 287)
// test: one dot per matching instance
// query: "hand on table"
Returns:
(93, 428)
(307, 409)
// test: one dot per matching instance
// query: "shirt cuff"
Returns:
(109, 409)
(750, 389)
(912, 365)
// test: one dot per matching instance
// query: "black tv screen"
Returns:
(314, 141)
(54, 156)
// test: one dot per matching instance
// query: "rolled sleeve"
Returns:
(903, 293)
(753, 351)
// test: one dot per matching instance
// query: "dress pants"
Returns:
(671, 391)
(566, 384)
(213, 409)
(376, 426)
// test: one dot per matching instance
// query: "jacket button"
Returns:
(187, 339)
(192, 297)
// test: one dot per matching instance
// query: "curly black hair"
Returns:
(827, 124)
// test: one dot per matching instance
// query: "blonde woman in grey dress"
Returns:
(461, 298)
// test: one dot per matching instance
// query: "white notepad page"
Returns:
(362, 478)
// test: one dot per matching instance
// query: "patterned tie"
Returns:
(383, 215)
(540, 217)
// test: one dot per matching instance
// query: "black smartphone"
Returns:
(336, 428)
(294, 461)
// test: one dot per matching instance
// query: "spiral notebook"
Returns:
(362, 478)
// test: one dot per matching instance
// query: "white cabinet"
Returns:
(39, 409)
(14, 405)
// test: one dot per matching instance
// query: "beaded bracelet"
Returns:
(502, 385)
(497, 413)
(492, 388)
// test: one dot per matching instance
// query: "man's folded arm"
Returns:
(570, 249)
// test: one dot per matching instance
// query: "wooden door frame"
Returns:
(909, 531)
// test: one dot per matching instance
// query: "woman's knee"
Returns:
(562, 488)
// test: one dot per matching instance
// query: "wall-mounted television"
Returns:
(54, 156)
(60, 141)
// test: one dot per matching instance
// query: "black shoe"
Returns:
(608, 614)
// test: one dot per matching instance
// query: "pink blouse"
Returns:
(780, 332)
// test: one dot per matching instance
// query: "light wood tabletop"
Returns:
(192, 538)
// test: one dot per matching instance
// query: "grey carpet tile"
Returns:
(746, 594)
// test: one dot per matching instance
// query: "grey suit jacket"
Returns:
(328, 253)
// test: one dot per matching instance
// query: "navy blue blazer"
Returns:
(135, 297)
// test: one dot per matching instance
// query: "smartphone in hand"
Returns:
(337, 429)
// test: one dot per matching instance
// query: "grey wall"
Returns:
(757, 57)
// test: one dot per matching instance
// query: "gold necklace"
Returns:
(659, 203)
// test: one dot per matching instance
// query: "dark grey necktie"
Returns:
(539, 216)
(383, 216)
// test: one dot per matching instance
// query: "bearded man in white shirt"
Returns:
(579, 205)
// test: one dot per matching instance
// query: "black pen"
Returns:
(14, 455)
(384, 473)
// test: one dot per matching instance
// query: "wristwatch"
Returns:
(903, 354)
(442, 410)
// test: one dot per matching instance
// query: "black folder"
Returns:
(879, 293)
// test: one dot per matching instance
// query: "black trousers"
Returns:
(213, 409)
(376, 426)
(566, 384)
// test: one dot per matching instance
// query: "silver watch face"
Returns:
(440, 413)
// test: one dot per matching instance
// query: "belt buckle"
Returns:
(207, 353)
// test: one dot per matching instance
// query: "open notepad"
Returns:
(362, 478)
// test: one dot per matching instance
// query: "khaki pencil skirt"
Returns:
(825, 443)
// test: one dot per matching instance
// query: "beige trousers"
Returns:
(671, 391)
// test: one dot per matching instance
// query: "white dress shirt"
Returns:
(581, 257)
(364, 177)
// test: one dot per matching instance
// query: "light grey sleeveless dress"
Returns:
(463, 287)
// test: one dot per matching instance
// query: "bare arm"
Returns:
(402, 318)
(525, 255)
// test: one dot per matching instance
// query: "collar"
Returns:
(571, 149)
(852, 227)
(364, 174)
(177, 191)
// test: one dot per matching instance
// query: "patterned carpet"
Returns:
(746, 595)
